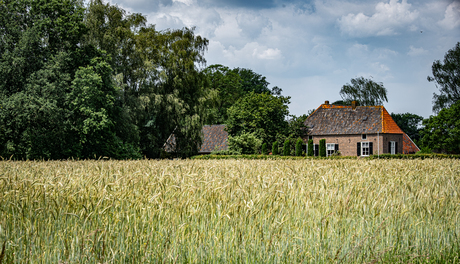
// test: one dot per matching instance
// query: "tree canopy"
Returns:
(446, 75)
(263, 114)
(96, 81)
(364, 92)
(409, 123)
(442, 132)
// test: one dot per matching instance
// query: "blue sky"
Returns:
(311, 49)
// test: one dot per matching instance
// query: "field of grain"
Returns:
(230, 211)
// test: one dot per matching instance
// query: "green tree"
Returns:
(264, 149)
(261, 114)
(446, 75)
(246, 143)
(287, 148)
(275, 147)
(310, 148)
(298, 147)
(364, 91)
(176, 94)
(163, 91)
(409, 123)
(297, 127)
(442, 132)
(228, 86)
(40, 50)
(252, 82)
(322, 148)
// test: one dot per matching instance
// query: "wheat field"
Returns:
(230, 211)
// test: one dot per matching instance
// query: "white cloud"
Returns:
(451, 16)
(387, 20)
(413, 51)
(187, 2)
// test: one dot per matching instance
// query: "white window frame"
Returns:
(364, 136)
(330, 147)
(392, 147)
(363, 148)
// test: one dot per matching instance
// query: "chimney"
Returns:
(326, 102)
(353, 105)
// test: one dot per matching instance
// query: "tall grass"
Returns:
(237, 211)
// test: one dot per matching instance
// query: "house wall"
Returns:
(348, 143)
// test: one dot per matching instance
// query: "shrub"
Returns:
(298, 147)
(287, 148)
(322, 148)
(264, 149)
(246, 143)
(275, 148)
(425, 150)
(310, 148)
(225, 152)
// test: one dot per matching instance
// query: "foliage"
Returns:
(409, 123)
(252, 82)
(416, 156)
(442, 132)
(310, 151)
(227, 85)
(446, 75)
(424, 150)
(322, 148)
(296, 127)
(96, 82)
(275, 148)
(109, 210)
(261, 114)
(225, 152)
(298, 147)
(264, 149)
(364, 91)
(287, 148)
(246, 143)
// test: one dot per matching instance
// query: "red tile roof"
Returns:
(409, 146)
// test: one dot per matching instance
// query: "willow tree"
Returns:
(364, 91)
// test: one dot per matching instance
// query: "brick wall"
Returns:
(348, 143)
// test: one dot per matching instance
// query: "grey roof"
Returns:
(214, 138)
(340, 120)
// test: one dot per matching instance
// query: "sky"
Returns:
(311, 48)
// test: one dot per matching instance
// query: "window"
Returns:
(365, 148)
(331, 149)
(392, 147)
(363, 136)
(310, 137)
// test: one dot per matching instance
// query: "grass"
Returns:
(232, 211)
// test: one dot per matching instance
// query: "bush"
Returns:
(225, 152)
(425, 150)
(287, 148)
(322, 148)
(310, 148)
(264, 149)
(298, 147)
(275, 148)
(246, 143)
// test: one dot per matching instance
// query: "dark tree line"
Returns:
(94, 81)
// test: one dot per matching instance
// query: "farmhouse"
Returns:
(357, 131)
(214, 138)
